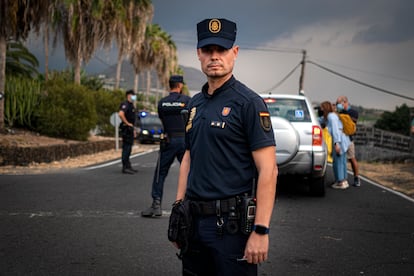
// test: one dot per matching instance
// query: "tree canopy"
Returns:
(397, 121)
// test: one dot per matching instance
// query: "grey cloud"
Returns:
(266, 20)
(399, 28)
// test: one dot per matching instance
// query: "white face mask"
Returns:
(134, 98)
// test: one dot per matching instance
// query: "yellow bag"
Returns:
(348, 124)
(328, 140)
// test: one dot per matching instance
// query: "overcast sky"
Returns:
(370, 40)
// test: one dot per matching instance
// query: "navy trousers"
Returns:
(174, 149)
(212, 254)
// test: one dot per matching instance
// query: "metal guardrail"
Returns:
(380, 138)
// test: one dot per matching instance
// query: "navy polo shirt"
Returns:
(169, 111)
(221, 133)
(129, 111)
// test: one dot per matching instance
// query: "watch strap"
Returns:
(260, 229)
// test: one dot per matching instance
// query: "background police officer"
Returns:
(173, 146)
(229, 146)
(128, 116)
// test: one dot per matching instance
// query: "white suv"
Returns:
(300, 148)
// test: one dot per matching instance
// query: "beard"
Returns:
(216, 72)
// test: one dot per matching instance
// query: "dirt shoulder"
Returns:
(396, 176)
(29, 139)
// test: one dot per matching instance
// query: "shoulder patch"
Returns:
(265, 121)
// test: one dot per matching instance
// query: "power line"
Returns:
(368, 72)
(281, 50)
(284, 79)
(360, 82)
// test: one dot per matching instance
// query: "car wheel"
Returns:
(317, 186)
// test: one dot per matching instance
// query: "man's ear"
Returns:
(235, 50)
(198, 53)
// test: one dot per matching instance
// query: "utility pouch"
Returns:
(180, 227)
(164, 141)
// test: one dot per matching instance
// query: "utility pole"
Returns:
(302, 73)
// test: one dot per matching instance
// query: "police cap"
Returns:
(176, 78)
(221, 32)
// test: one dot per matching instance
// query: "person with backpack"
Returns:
(343, 107)
(340, 144)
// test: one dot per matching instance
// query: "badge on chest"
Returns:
(218, 124)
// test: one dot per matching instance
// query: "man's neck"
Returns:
(215, 83)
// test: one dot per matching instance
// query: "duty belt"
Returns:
(207, 208)
(176, 134)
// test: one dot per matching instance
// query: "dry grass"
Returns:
(399, 177)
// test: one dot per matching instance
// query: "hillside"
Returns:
(193, 77)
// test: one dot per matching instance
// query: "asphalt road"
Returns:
(87, 222)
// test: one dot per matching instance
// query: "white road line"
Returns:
(117, 161)
(382, 187)
(388, 189)
(80, 214)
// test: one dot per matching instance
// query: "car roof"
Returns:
(283, 96)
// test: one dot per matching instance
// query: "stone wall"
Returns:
(373, 144)
(23, 156)
(370, 153)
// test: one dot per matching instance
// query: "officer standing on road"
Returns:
(230, 149)
(127, 115)
(172, 145)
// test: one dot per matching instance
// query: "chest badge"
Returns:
(226, 111)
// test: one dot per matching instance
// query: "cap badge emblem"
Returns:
(214, 26)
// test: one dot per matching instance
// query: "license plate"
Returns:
(156, 136)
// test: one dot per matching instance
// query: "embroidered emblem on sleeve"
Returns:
(265, 121)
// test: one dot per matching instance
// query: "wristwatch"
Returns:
(260, 229)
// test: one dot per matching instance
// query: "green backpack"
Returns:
(349, 126)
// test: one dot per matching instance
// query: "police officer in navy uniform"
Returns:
(172, 146)
(230, 149)
(128, 116)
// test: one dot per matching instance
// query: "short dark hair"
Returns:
(130, 91)
(174, 84)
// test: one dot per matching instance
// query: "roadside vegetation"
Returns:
(69, 104)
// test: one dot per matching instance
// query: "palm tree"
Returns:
(19, 61)
(166, 57)
(157, 51)
(17, 18)
(129, 30)
(79, 28)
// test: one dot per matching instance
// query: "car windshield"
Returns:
(151, 120)
(293, 110)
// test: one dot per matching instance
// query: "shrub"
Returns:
(66, 110)
(397, 121)
(21, 99)
(107, 102)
